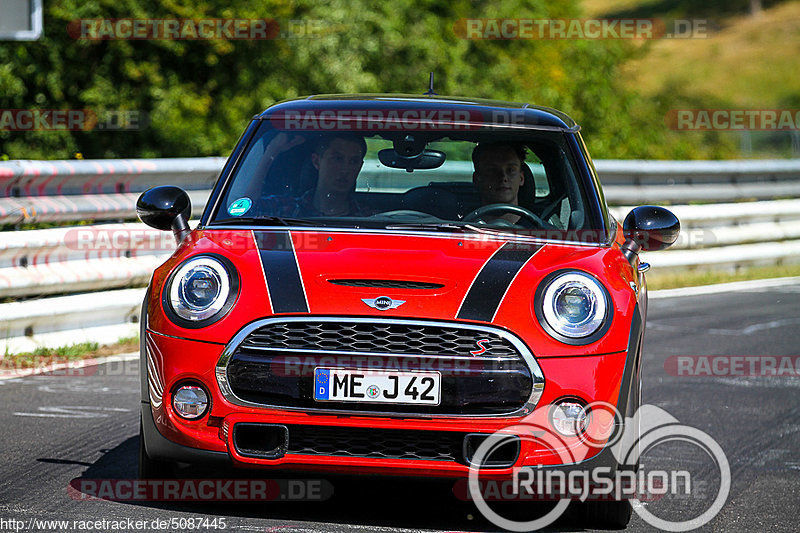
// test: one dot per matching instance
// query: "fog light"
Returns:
(190, 401)
(569, 418)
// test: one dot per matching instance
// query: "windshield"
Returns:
(522, 182)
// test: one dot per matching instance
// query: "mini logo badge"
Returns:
(382, 303)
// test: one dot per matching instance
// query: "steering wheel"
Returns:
(402, 214)
(550, 209)
(480, 215)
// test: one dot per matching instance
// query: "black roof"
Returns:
(486, 112)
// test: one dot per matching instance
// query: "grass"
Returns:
(749, 62)
(73, 352)
(656, 281)
(598, 8)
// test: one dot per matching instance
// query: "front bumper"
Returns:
(211, 439)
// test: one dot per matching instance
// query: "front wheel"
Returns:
(152, 468)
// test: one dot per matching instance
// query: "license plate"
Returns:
(377, 386)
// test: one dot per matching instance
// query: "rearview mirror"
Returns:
(425, 160)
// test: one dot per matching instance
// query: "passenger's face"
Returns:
(339, 166)
(498, 175)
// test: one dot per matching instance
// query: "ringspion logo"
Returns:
(649, 429)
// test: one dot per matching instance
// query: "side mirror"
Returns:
(166, 208)
(649, 228)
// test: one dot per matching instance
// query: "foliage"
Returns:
(194, 97)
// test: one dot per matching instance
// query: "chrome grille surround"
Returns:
(518, 350)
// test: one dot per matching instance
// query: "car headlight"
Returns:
(574, 307)
(200, 289)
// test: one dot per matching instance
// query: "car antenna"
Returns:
(430, 92)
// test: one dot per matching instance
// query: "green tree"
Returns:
(195, 96)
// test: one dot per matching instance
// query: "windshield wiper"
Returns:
(266, 221)
(432, 226)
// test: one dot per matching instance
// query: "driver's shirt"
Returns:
(303, 206)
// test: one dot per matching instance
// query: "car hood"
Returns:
(470, 277)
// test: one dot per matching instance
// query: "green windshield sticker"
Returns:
(240, 207)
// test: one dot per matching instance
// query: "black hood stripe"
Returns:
(492, 282)
(278, 259)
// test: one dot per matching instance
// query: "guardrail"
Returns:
(748, 216)
(102, 317)
(58, 191)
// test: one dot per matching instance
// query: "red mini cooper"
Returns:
(380, 282)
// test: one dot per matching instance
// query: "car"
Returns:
(378, 283)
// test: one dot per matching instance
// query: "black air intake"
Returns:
(263, 441)
(386, 284)
(502, 453)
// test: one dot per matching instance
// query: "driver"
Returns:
(498, 174)
(338, 160)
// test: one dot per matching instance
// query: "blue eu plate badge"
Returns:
(322, 380)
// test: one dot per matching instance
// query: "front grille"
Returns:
(375, 443)
(386, 284)
(378, 338)
(483, 370)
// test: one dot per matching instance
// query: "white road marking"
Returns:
(749, 330)
(61, 388)
(74, 411)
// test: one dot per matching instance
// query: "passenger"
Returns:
(498, 174)
(338, 160)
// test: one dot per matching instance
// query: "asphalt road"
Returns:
(57, 429)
